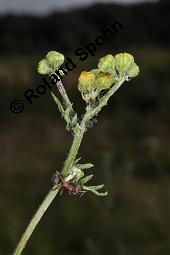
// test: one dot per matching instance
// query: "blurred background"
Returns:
(129, 145)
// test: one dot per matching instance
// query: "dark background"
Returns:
(129, 145)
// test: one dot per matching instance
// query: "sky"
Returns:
(45, 6)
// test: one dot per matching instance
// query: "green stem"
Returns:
(103, 102)
(81, 129)
(67, 166)
(35, 220)
(74, 149)
(52, 193)
(63, 93)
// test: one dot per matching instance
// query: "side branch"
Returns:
(103, 102)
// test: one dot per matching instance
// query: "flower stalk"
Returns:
(72, 173)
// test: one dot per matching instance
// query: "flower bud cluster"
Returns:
(51, 62)
(120, 66)
(110, 71)
(92, 82)
(125, 66)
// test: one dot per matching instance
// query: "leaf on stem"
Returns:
(86, 179)
(100, 194)
(84, 166)
(77, 160)
(94, 189)
(60, 107)
(66, 114)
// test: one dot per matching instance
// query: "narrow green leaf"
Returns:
(77, 160)
(96, 187)
(93, 189)
(68, 109)
(101, 194)
(60, 107)
(74, 120)
(67, 116)
(84, 166)
(86, 179)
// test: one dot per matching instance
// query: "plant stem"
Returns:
(81, 129)
(35, 220)
(63, 93)
(67, 166)
(52, 193)
(74, 149)
(103, 102)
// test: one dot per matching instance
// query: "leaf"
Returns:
(84, 166)
(86, 179)
(74, 120)
(77, 160)
(71, 121)
(97, 187)
(68, 109)
(101, 194)
(94, 189)
(67, 115)
(60, 107)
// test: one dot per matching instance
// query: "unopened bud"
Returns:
(95, 71)
(107, 64)
(55, 59)
(104, 80)
(43, 67)
(51, 63)
(133, 71)
(123, 62)
(86, 82)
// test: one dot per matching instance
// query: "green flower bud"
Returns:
(107, 64)
(104, 80)
(133, 71)
(43, 67)
(51, 63)
(123, 62)
(86, 82)
(95, 71)
(55, 59)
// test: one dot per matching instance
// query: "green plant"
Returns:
(96, 87)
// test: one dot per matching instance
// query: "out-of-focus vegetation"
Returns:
(66, 31)
(129, 145)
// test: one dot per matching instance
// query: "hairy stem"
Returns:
(35, 220)
(67, 166)
(52, 193)
(103, 102)
(63, 93)
(74, 149)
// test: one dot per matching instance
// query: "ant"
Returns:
(58, 180)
